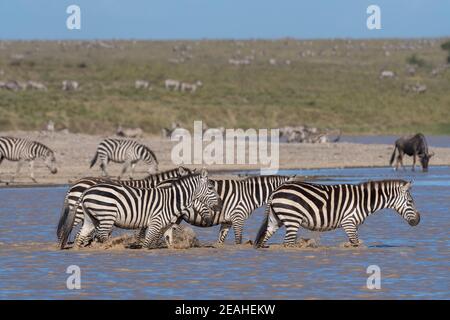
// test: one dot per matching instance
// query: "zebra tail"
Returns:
(94, 160)
(263, 229)
(62, 219)
(67, 226)
(393, 156)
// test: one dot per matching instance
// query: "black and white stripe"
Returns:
(326, 207)
(81, 185)
(106, 205)
(124, 151)
(239, 199)
(21, 150)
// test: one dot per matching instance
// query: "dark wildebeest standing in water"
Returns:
(415, 146)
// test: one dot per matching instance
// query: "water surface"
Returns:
(414, 261)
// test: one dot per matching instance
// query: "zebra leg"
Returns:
(133, 165)
(152, 236)
(124, 168)
(273, 225)
(140, 235)
(32, 171)
(352, 233)
(1, 160)
(103, 163)
(291, 233)
(84, 236)
(224, 229)
(104, 229)
(238, 226)
(19, 166)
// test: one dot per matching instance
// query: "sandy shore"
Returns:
(74, 152)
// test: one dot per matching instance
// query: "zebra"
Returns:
(21, 150)
(239, 199)
(320, 207)
(124, 151)
(81, 185)
(108, 204)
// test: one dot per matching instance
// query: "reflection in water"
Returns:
(414, 262)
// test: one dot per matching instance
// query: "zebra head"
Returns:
(404, 204)
(206, 193)
(183, 171)
(50, 161)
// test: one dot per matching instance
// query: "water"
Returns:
(414, 261)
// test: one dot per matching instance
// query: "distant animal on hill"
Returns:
(129, 132)
(124, 151)
(415, 146)
(69, 85)
(387, 74)
(171, 84)
(191, 87)
(141, 84)
(21, 150)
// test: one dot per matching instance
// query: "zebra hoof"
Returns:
(352, 244)
(134, 246)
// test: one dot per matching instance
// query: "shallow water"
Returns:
(414, 261)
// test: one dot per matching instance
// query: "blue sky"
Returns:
(198, 19)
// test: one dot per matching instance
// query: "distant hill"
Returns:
(323, 83)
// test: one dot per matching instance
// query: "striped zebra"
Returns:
(21, 150)
(128, 152)
(106, 205)
(81, 185)
(239, 199)
(319, 207)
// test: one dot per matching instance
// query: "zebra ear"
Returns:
(194, 170)
(182, 170)
(204, 173)
(407, 185)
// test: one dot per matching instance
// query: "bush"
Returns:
(446, 46)
(415, 60)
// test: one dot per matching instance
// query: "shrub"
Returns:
(415, 60)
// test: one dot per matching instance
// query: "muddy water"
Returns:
(414, 262)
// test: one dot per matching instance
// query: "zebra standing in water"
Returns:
(239, 199)
(327, 207)
(108, 204)
(21, 150)
(124, 151)
(81, 185)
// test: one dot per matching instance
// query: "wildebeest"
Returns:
(415, 146)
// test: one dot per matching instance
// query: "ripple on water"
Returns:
(414, 262)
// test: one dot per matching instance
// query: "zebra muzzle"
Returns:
(414, 222)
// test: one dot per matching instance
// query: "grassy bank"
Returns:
(330, 83)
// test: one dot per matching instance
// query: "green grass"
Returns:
(334, 91)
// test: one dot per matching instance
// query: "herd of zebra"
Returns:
(153, 206)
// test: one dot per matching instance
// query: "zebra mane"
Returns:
(268, 177)
(396, 182)
(174, 181)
